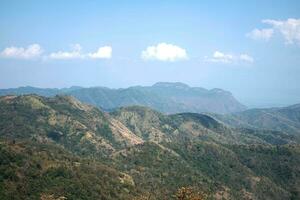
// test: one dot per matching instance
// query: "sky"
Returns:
(250, 48)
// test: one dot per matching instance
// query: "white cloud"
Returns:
(32, 51)
(63, 55)
(76, 53)
(290, 29)
(164, 52)
(246, 58)
(263, 34)
(103, 52)
(220, 57)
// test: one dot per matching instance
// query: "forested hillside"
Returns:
(58, 147)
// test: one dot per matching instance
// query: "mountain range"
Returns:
(58, 147)
(163, 96)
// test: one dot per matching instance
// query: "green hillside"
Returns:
(285, 119)
(58, 147)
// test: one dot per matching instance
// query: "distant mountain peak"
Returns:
(220, 91)
(171, 84)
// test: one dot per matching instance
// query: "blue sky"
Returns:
(251, 48)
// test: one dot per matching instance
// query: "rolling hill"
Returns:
(58, 147)
(285, 119)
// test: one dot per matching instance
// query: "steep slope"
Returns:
(164, 97)
(63, 120)
(218, 152)
(68, 145)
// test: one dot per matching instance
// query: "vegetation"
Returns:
(60, 148)
(187, 193)
(44, 171)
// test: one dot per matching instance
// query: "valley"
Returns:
(74, 150)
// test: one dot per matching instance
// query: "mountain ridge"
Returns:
(143, 151)
(166, 97)
(284, 119)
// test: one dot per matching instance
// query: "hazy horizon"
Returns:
(251, 49)
(249, 106)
